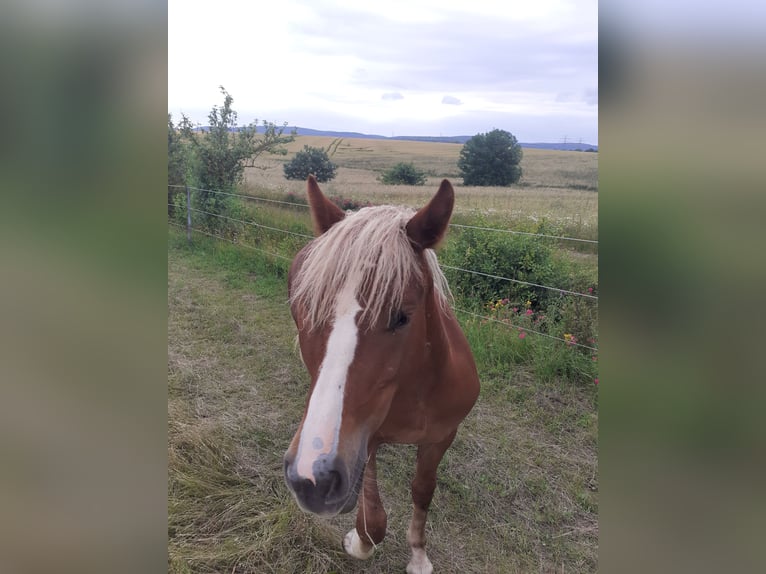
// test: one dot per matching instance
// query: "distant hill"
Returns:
(562, 146)
(568, 146)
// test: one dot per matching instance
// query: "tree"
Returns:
(224, 150)
(176, 164)
(491, 159)
(311, 160)
(404, 173)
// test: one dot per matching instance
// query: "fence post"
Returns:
(188, 214)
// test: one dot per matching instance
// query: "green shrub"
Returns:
(311, 160)
(519, 257)
(347, 203)
(403, 173)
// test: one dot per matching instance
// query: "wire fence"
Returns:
(239, 244)
(455, 225)
(190, 228)
(251, 223)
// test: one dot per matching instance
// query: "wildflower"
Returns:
(522, 335)
(529, 312)
(505, 301)
(528, 303)
(590, 289)
(515, 309)
(595, 381)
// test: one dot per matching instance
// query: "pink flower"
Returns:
(515, 309)
(590, 289)
(522, 335)
(529, 311)
(595, 380)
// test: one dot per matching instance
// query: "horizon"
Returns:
(568, 141)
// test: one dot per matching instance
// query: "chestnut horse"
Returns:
(387, 359)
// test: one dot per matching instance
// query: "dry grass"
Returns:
(558, 186)
(517, 492)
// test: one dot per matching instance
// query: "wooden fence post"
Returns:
(188, 214)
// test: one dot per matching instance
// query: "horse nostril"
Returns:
(335, 481)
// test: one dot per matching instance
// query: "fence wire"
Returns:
(252, 223)
(213, 235)
(525, 329)
(460, 225)
(456, 225)
(520, 281)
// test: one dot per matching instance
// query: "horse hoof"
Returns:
(419, 564)
(353, 546)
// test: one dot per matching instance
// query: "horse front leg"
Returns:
(371, 519)
(423, 486)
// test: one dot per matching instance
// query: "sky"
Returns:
(399, 67)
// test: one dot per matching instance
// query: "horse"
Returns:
(387, 359)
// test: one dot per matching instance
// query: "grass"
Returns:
(517, 492)
(557, 186)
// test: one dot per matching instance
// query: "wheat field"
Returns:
(559, 186)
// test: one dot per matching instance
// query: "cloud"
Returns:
(459, 50)
(542, 74)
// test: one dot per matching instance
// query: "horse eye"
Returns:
(398, 320)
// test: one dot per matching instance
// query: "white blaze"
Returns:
(323, 416)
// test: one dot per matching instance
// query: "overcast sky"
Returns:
(394, 67)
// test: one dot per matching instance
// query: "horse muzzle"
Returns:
(334, 488)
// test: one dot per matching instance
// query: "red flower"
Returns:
(522, 335)
(595, 380)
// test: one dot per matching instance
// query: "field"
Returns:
(517, 492)
(556, 185)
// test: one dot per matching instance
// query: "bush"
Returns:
(491, 159)
(403, 173)
(311, 160)
(347, 203)
(520, 257)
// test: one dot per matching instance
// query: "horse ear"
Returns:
(427, 226)
(324, 213)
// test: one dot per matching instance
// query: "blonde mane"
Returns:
(371, 250)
